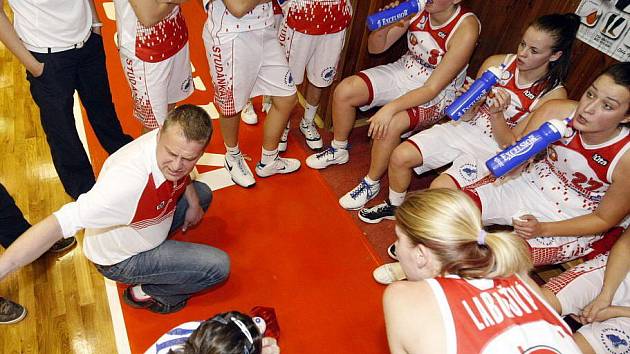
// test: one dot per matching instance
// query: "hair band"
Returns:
(243, 328)
(481, 237)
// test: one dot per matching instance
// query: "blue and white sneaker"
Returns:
(359, 195)
(309, 130)
(238, 170)
(279, 165)
(330, 156)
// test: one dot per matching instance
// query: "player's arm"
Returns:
(461, 47)
(614, 206)
(383, 38)
(10, 39)
(30, 245)
(407, 305)
(238, 8)
(150, 12)
(617, 268)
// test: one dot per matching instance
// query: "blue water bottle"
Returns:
(478, 89)
(395, 14)
(527, 147)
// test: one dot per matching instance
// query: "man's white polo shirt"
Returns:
(130, 208)
(52, 23)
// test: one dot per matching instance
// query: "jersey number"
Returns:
(583, 182)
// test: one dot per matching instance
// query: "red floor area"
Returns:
(292, 247)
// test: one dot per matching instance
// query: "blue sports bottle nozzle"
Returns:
(528, 146)
(477, 90)
(395, 14)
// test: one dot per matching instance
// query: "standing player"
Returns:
(531, 77)
(468, 290)
(597, 292)
(413, 90)
(246, 60)
(248, 114)
(153, 44)
(562, 203)
(313, 36)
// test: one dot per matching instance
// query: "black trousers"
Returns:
(12, 222)
(83, 70)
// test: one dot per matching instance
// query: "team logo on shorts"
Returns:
(187, 84)
(615, 340)
(288, 79)
(468, 172)
(328, 74)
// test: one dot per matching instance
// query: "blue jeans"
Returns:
(174, 270)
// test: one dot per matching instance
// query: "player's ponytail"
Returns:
(449, 224)
(563, 29)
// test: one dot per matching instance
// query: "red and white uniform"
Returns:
(470, 144)
(427, 44)
(499, 316)
(313, 36)
(155, 61)
(245, 57)
(130, 208)
(569, 182)
(580, 285)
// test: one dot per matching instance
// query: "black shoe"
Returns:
(63, 244)
(10, 312)
(391, 251)
(377, 213)
(161, 308)
(150, 304)
(130, 300)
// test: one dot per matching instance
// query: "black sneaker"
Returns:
(10, 312)
(391, 251)
(63, 245)
(377, 213)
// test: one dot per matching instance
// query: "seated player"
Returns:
(468, 290)
(531, 77)
(412, 91)
(580, 189)
(597, 294)
(224, 333)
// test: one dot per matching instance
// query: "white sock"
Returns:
(339, 144)
(268, 156)
(395, 198)
(232, 150)
(370, 181)
(137, 293)
(309, 113)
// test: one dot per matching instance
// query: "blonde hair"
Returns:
(448, 222)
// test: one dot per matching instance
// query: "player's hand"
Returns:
(498, 101)
(379, 122)
(270, 346)
(472, 111)
(527, 226)
(591, 312)
(194, 213)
